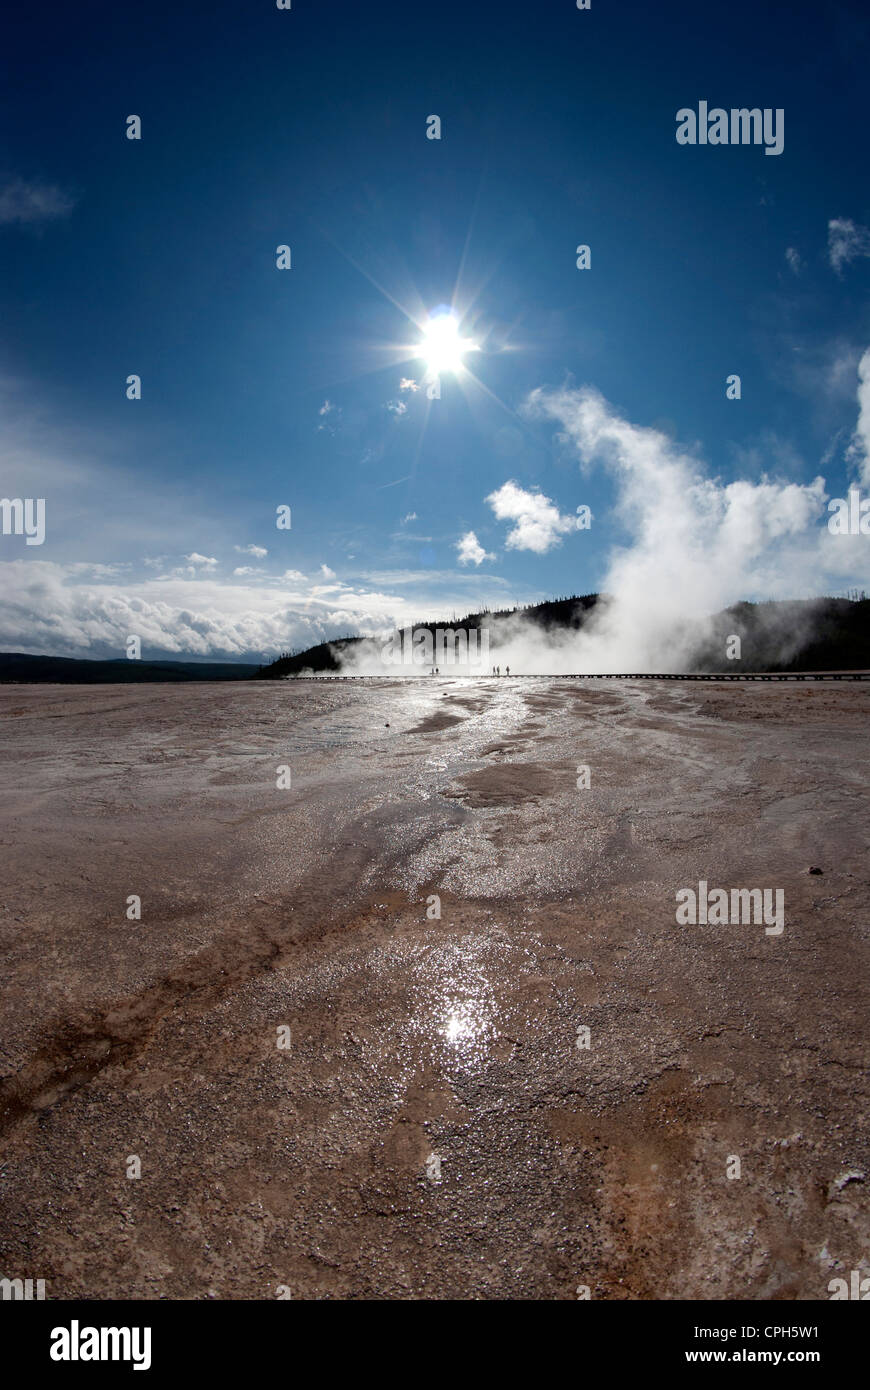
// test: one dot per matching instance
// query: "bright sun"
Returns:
(442, 348)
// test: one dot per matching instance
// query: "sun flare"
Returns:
(442, 348)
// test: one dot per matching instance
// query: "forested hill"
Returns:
(563, 613)
(825, 634)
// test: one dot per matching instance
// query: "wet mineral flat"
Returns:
(422, 1023)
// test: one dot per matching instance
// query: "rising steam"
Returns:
(693, 546)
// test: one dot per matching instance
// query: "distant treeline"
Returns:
(829, 634)
(61, 670)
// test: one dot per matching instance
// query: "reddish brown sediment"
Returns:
(560, 1166)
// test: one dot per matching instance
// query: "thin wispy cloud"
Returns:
(431, 582)
(818, 368)
(29, 203)
(847, 242)
(330, 415)
(859, 447)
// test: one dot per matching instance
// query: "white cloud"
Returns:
(471, 552)
(57, 609)
(427, 582)
(258, 551)
(847, 241)
(96, 570)
(246, 569)
(204, 562)
(821, 369)
(332, 424)
(327, 572)
(31, 202)
(538, 525)
(48, 608)
(794, 260)
(397, 407)
(410, 516)
(408, 384)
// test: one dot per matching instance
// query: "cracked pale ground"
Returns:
(312, 1167)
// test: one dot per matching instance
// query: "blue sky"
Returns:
(263, 387)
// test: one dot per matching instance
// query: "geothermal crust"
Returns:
(541, 1091)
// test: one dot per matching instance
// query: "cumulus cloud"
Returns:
(409, 516)
(327, 572)
(408, 384)
(471, 552)
(204, 562)
(258, 551)
(847, 241)
(31, 202)
(538, 525)
(51, 608)
(326, 408)
(397, 407)
(794, 261)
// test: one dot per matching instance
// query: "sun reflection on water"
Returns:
(467, 1027)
